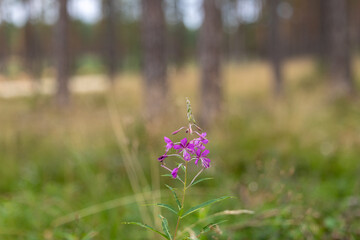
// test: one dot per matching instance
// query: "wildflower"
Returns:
(169, 143)
(177, 131)
(161, 158)
(202, 138)
(201, 155)
(175, 172)
(186, 148)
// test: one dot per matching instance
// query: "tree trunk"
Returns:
(110, 38)
(275, 47)
(31, 45)
(154, 59)
(210, 44)
(323, 45)
(339, 56)
(178, 38)
(3, 41)
(62, 58)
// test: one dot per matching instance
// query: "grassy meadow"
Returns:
(79, 173)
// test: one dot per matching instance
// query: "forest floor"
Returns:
(294, 161)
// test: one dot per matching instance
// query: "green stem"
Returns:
(182, 201)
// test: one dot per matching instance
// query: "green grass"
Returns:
(295, 163)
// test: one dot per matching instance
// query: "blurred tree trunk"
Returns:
(5, 50)
(61, 54)
(275, 47)
(339, 55)
(324, 30)
(210, 44)
(239, 48)
(110, 38)
(32, 45)
(177, 37)
(154, 58)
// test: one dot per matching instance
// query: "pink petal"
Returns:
(167, 140)
(177, 147)
(206, 152)
(183, 141)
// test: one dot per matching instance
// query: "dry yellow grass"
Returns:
(243, 83)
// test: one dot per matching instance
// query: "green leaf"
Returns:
(205, 204)
(183, 167)
(147, 227)
(210, 226)
(200, 180)
(181, 212)
(176, 197)
(165, 227)
(168, 207)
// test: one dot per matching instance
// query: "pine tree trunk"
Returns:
(177, 37)
(110, 38)
(323, 45)
(339, 56)
(275, 48)
(154, 59)
(31, 44)
(62, 58)
(210, 44)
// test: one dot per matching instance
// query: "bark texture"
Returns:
(210, 46)
(154, 58)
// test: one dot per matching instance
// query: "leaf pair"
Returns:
(147, 227)
(202, 205)
(183, 214)
(165, 227)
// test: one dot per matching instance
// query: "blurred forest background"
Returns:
(88, 89)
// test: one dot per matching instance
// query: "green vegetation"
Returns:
(294, 162)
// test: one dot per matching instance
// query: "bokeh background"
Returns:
(89, 88)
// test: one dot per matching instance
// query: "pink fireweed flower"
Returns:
(200, 141)
(201, 155)
(175, 172)
(169, 144)
(202, 138)
(186, 148)
(161, 158)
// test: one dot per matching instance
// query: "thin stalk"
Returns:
(182, 201)
(196, 177)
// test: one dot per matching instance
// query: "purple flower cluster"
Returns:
(187, 150)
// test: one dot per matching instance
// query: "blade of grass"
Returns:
(133, 171)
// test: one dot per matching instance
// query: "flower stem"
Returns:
(195, 177)
(182, 201)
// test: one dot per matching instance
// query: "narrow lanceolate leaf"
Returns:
(168, 207)
(147, 227)
(205, 204)
(175, 196)
(199, 180)
(183, 168)
(211, 226)
(165, 227)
